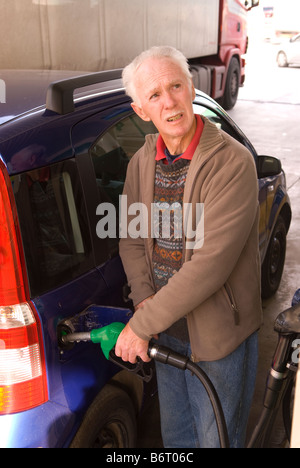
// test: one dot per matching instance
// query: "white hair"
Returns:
(154, 52)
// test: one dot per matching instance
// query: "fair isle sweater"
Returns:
(168, 246)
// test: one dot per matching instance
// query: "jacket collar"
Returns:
(210, 141)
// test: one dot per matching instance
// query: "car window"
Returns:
(53, 225)
(111, 154)
(215, 118)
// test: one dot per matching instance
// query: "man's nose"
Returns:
(169, 100)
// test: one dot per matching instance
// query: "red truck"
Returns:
(233, 44)
(226, 64)
(93, 35)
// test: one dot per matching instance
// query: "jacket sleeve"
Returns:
(230, 196)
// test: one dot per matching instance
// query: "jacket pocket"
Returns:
(230, 299)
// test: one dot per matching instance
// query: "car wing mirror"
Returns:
(288, 322)
(268, 166)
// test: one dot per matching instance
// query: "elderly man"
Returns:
(203, 302)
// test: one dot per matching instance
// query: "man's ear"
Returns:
(139, 111)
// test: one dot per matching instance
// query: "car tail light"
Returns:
(22, 365)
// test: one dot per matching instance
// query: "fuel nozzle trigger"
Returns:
(142, 369)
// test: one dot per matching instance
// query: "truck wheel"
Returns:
(232, 84)
(110, 422)
(273, 264)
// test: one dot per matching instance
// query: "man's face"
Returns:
(166, 96)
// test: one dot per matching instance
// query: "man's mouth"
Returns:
(174, 118)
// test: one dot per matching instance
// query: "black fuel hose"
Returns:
(167, 356)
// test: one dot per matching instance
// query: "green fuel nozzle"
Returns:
(107, 337)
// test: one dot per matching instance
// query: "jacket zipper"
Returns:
(232, 303)
(192, 190)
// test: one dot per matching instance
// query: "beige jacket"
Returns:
(218, 287)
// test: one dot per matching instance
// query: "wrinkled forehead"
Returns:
(158, 66)
(155, 72)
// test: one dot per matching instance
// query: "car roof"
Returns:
(26, 90)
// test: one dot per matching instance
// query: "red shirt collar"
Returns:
(189, 153)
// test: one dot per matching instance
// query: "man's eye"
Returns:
(154, 96)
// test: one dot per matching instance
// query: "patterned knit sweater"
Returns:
(168, 242)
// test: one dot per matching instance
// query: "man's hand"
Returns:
(129, 346)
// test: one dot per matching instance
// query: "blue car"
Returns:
(65, 143)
